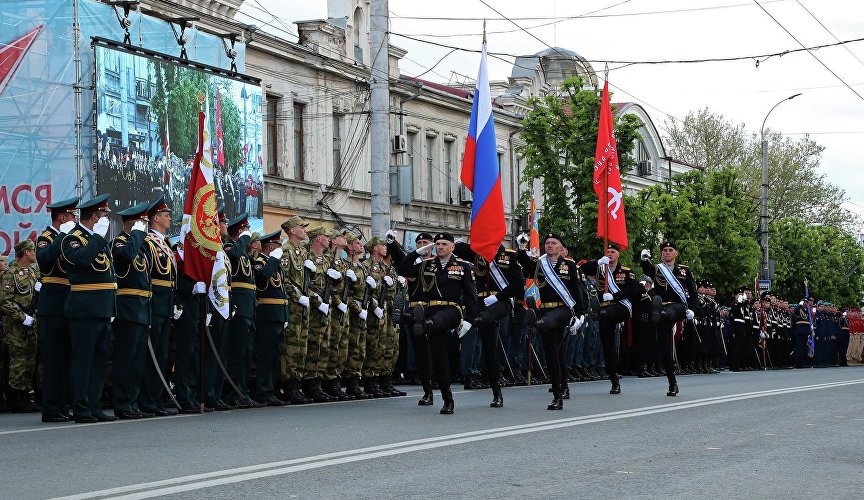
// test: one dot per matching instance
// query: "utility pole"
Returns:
(379, 43)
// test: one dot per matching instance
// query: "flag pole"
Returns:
(202, 314)
(605, 195)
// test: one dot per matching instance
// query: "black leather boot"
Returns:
(673, 386)
(557, 403)
(497, 397)
(340, 393)
(295, 395)
(318, 394)
(616, 385)
(565, 391)
(447, 396)
(386, 383)
(428, 398)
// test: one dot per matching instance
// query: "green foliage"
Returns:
(560, 135)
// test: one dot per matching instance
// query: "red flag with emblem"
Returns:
(607, 179)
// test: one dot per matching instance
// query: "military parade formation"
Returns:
(316, 316)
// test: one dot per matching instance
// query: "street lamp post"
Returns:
(764, 217)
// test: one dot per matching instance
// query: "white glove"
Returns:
(378, 312)
(199, 288)
(522, 240)
(575, 324)
(177, 313)
(371, 282)
(762, 335)
(209, 317)
(490, 300)
(425, 249)
(363, 315)
(324, 308)
(67, 226)
(140, 225)
(689, 314)
(801, 303)
(645, 254)
(303, 301)
(284, 326)
(310, 265)
(463, 328)
(402, 280)
(390, 236)
(351, 275)
(741, 298)
(459, 240)
(607, 297)
(388, 280)
(28, 320)
(246, 232)
(602, 261)
(112, 319)
(343, 307)
(276, 253)
(38, 286)
(101, 226)
(334, 274)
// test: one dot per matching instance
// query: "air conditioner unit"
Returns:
(465, 195)
(400, 144)
(645, 167)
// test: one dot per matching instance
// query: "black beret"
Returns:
(423, 236)
(615, 247)
(667, 244)
(553, 235)
(444, 236)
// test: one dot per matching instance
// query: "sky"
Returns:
(657, 30)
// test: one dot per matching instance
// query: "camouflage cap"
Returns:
(333, 234)
(23, 246)
(350, 237)
(372, 242)
(315, 231)
(292, 222)
(255, 237)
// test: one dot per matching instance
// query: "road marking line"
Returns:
(253, 472)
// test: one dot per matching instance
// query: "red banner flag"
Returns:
(607, 179)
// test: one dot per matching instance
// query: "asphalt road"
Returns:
(778, 434)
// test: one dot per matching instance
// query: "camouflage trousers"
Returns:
(338, 352)
(356, 352)
(21, 343)
(390, 349)
(293, 351)
(317, 345)
(375, 332)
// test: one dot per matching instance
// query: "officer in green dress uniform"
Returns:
(293, 352)
(17, 292)
(90, 307)
(271, 317)
(241, 330)
(130, 327)
(53, 328)
(163, 279)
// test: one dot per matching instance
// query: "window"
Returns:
(412, 160)
(643, 161)
(505, 182)
(271, 135)
(337, 150)
(448, 171)
(433, 191)
(298, 142)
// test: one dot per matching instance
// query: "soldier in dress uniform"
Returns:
(676, 297)
(214, 377)
(90, 307)
(163, 279)
(17, 300)
(419, 342)
(497, 282)
(293, 354)
(358, 301)
(133, 319)
(563, 305)
(339, 319)
(271, 317)
(620, 289)
(241, 330)
(445, 296)
(53, 328)
(318, 342)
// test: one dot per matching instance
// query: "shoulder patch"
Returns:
(624, 268)
(42, 244)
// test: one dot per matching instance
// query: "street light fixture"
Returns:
(764, 217)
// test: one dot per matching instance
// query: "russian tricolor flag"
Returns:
(480, 172)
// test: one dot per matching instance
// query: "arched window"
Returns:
(358, 36)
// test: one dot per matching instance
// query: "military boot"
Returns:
(447, 396)
(565, 391)
(673, 386)
(497, 397)
(340, 394)
(354, 389)
(295, 395)
(386, 382)
(318, 394)
(557, 403)
(21, 402)
(616, 385)
(428, 398)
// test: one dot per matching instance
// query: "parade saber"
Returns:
(506, 359)
(159, 372)
(539, 364)
(217, 397)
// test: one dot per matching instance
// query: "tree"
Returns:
(560, 135)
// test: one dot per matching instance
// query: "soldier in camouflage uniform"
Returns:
(362, 287)
(390, 339)
(376, 328)
(293, 358)
(338, 319)
(318, 342)
(17, 291)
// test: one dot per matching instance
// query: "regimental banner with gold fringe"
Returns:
(200, 245)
